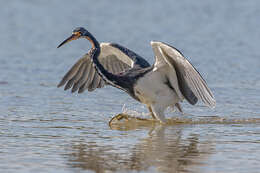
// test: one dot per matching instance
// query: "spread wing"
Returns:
(115, 59)
(190, 82)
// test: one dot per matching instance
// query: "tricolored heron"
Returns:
(170, 80)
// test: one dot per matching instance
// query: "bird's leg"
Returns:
(179, 107)
(150, 109)
(158, 113)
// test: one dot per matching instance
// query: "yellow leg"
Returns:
(150, 109)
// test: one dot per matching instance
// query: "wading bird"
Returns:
(170, 80)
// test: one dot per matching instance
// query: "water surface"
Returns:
(45, 129)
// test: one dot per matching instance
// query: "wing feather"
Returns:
(113, 57)
(74, 69)
(191, 83)
(76, 77)
(95, 82)
(118, 67)
(84, 76)
(101, 84)
(90, 77)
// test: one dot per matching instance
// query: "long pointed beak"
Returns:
(72, 37)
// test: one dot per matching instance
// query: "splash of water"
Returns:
(130, 120)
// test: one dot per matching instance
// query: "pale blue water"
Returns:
(45, 129)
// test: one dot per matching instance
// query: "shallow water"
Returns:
(45, 129)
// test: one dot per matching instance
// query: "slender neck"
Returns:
(93, 41)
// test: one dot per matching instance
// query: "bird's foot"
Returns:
(118, 117)
(126, 117)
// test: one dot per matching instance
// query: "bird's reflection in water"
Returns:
(164, 150)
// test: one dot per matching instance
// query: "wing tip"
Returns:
(60, 84)
(212, 104)
(73, 90)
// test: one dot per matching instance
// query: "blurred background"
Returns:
(46, 129)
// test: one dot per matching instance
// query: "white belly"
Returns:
(153, 89)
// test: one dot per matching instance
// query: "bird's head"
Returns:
(76, 34)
